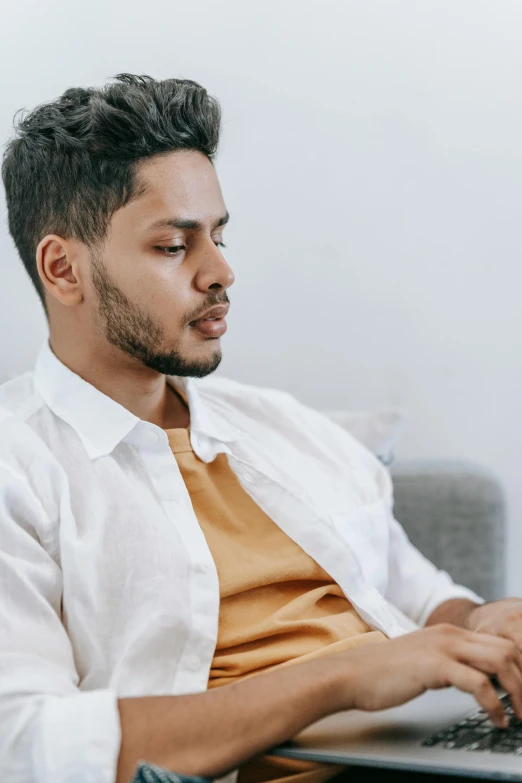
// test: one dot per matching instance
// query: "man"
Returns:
(191, 571)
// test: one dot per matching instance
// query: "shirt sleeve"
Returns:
(50, 731)
(415, 585)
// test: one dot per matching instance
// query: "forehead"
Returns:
(180, 185)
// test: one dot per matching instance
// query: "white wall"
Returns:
(372, 163)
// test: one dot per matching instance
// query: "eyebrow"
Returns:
(194, 225)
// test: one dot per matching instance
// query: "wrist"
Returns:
(344, 673)
(456, 611)
(472, 617)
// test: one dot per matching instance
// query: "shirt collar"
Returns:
(203, 420)
(101, 422)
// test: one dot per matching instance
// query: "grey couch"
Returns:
(455, 514)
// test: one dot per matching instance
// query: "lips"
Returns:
(212, 323)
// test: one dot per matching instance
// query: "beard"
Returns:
(131, 329)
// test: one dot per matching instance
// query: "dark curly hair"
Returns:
(72, 163)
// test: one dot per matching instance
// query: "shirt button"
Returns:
(194, 662)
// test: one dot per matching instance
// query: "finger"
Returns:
(491, 654)
(500, 657)
(517, 641)
(511, 681)
(470, 680)
(517, 656)
(491, 639)
(514, 633)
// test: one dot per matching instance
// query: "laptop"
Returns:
(441, 732)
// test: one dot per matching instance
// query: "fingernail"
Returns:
(504, 722)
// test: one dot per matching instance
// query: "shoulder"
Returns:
(276, 420)
(18, 396)
(30, 476)
(242, 395)
(22, 451)
(282, 412)
(22, 442)
(250, 407)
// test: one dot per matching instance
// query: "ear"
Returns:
(58, 265)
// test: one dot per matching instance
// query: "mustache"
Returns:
(213, 300)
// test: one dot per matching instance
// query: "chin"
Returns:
(205, 365)
(193, 364)
(198, 364)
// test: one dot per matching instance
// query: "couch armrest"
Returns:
(455, 513)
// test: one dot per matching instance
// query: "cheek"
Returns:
(159, 287)
(168, 302)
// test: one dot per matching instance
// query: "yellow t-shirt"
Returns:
(277, 605)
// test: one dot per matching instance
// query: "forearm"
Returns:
(210, 733)
(456, 612)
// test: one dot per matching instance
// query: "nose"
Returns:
(213, 272)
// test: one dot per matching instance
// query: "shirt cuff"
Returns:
(80, 739)
(445, 593)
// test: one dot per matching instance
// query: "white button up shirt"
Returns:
(107, 586)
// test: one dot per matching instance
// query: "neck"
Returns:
(144, 392)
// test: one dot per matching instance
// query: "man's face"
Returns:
(160, 279)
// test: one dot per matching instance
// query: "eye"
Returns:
(170, 250)
(219, 244)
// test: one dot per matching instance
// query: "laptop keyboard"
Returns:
(479, 734)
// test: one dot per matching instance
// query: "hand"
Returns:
(500, 618)
(390, 673)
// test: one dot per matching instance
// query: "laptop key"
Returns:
(478, 733)
(509, 744)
